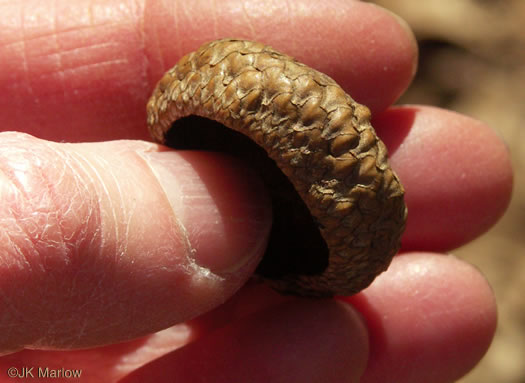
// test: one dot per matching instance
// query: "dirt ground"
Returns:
(482, 43)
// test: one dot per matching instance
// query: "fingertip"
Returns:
(379, 56)
(456, 172)
(302, 340)
(221, 204)
(91, 235)
(109, 56)
(369, 51)
(431, 318)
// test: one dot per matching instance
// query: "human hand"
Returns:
(92, 254)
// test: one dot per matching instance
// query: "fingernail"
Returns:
(221, 206)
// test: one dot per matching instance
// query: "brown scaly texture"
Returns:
(318, 136)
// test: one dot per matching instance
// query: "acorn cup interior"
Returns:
(295, 245)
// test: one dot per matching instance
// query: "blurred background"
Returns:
(472, 60)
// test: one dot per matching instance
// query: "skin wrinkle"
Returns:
(130, 212)
(81, 53)
(171, 6)
(138, 20)
(106, 195)
(13, 44)
(68, 238)
(185, 13)
(16, 223)
(249, 23)
(138, 13)
(80, 49)
(59, 53)
(17, 253)
(61, 67)
(65, 32)
(25, 63)
(214, 17)
(151, 38)
(46, 339)
(81, 332)
(290, 10)
(86, 166)
(117, 205)
(67, 57)
(50, 206)
(91, 14)
(127, 226)
(98, 64)
(81, 184)
(53, 198)
(182, 232)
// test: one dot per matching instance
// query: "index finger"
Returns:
(94, 64)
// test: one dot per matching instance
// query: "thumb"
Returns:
(104, 242)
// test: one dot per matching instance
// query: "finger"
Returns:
(112, 362)
(106, 242)
(365, 48)
(96, 63)
(456, 172)
(101, 364)
(300, 341)
(431, 318)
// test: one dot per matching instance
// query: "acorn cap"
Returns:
(338, 207)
